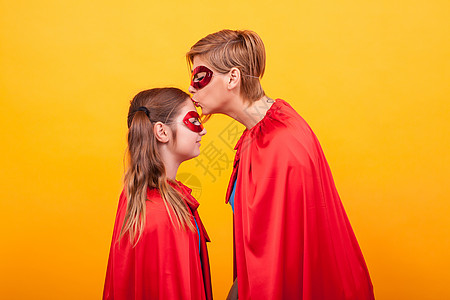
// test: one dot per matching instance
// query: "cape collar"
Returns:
(186, 192)
(270, 114)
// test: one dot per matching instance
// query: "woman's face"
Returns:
(212, 96)
(189, 132)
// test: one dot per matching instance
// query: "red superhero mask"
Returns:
(192, 121)
(201, 76)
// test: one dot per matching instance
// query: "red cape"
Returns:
(293, 239)
(165, 264)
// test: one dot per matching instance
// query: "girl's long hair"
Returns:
(145, 167)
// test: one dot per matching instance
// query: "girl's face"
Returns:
(208, 88)
(189, 132)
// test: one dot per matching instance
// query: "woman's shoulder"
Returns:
(282, 135)
(280, 124)
(288, 116)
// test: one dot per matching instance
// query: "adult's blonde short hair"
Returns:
(242, 49)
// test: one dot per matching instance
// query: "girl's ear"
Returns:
(234, 78)
(161, 132)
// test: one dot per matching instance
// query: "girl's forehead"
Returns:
(186, 107)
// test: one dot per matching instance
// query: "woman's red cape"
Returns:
(292, 237)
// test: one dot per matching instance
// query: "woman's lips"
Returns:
(195, 102)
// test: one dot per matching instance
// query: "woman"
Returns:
(292, 237)
(158, 248)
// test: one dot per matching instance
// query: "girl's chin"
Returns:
(195, 153)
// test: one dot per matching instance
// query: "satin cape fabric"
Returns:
(166, 262)
(292, 237)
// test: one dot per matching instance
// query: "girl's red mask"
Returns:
(192, 121)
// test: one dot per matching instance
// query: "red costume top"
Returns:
(292, 236)
(165, 263)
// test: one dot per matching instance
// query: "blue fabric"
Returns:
(198, 231)
(231, 200)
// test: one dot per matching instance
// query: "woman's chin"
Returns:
(204, 111)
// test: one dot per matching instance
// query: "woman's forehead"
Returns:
(199, 61)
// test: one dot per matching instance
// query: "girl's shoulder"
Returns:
(159, 215)
(155, 208)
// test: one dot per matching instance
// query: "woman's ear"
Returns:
(161, 132)
(234, 78)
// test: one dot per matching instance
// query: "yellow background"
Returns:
(370, 77)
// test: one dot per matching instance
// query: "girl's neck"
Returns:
(171, 171)
(170, 163)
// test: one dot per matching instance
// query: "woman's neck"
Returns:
(249, 114)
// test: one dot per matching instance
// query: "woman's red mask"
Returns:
(201, 76)
(192, 121)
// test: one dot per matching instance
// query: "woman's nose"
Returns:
(203, 132)
(191, 89)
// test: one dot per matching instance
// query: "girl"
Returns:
(158, 248)
(292, 237)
